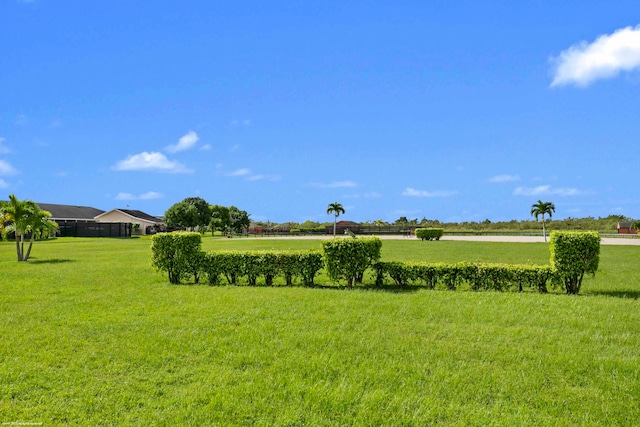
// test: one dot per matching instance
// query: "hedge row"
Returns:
(250, 265)
(429, 233)
(573, 254)
(478, 276)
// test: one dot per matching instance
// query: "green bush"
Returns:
(178, 254)
(574, 254)
(429, 233)
(212, 266)
(250, 265)
(478, 276)
(348, 259)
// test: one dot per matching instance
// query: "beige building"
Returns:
(130, 216)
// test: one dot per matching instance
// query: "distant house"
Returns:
(625, 228)
(80, 221)
(70, 213)
(147, 222)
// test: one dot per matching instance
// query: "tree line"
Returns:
(606, 224)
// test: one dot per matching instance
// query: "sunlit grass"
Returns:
(91, 335)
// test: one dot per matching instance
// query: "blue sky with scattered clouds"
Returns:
(459, 111)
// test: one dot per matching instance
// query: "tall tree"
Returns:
(541, 209)
(220, 219)
(336, 209)
(182, 214)
(203, 208)
(24, 217)
(239, 219)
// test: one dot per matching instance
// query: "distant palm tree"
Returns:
(635, 225)
(541, 209)
(336, 209)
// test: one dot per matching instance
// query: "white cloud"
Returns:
(153, 161)
(504, 178)
(184, 143)
(206, 147)
(6, 168)
(412, 192)
(239, 172)
(335, 184)
(546, 190)
(261, 177)
(145, 196)
(4, 184)
(584, 63)
(250, 176)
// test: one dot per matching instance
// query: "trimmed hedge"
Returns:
(429, 233)
(250, 265)
(574, 254)
(178, 254)
(478, 276)
(349, 258)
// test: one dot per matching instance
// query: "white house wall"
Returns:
(117, 216)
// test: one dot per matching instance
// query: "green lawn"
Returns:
(91, 335)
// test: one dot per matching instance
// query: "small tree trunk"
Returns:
(18, 251)
(544, 231)
(26, 256)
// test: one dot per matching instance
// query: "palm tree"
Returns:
(336, 209)
(543, 208)
(24, 216)
(38, 223)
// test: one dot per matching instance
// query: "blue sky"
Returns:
(460, 110)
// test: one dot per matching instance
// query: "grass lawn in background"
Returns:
(91, 335)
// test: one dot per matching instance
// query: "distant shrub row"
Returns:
(573, 254)
(429, 233)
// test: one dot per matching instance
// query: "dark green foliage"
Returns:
(574, 254)
(220, 219)
(182, 214)
(178, 254)
(477, 276)
(429, 233)
(238, 220)
(204, 211)
(349, 258)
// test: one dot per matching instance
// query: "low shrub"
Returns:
(574, 254)
(178, 254)
(429, 233)
(348, 259)
(478, 276)
(251, 265)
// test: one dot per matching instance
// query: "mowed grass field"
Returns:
(91, 335)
